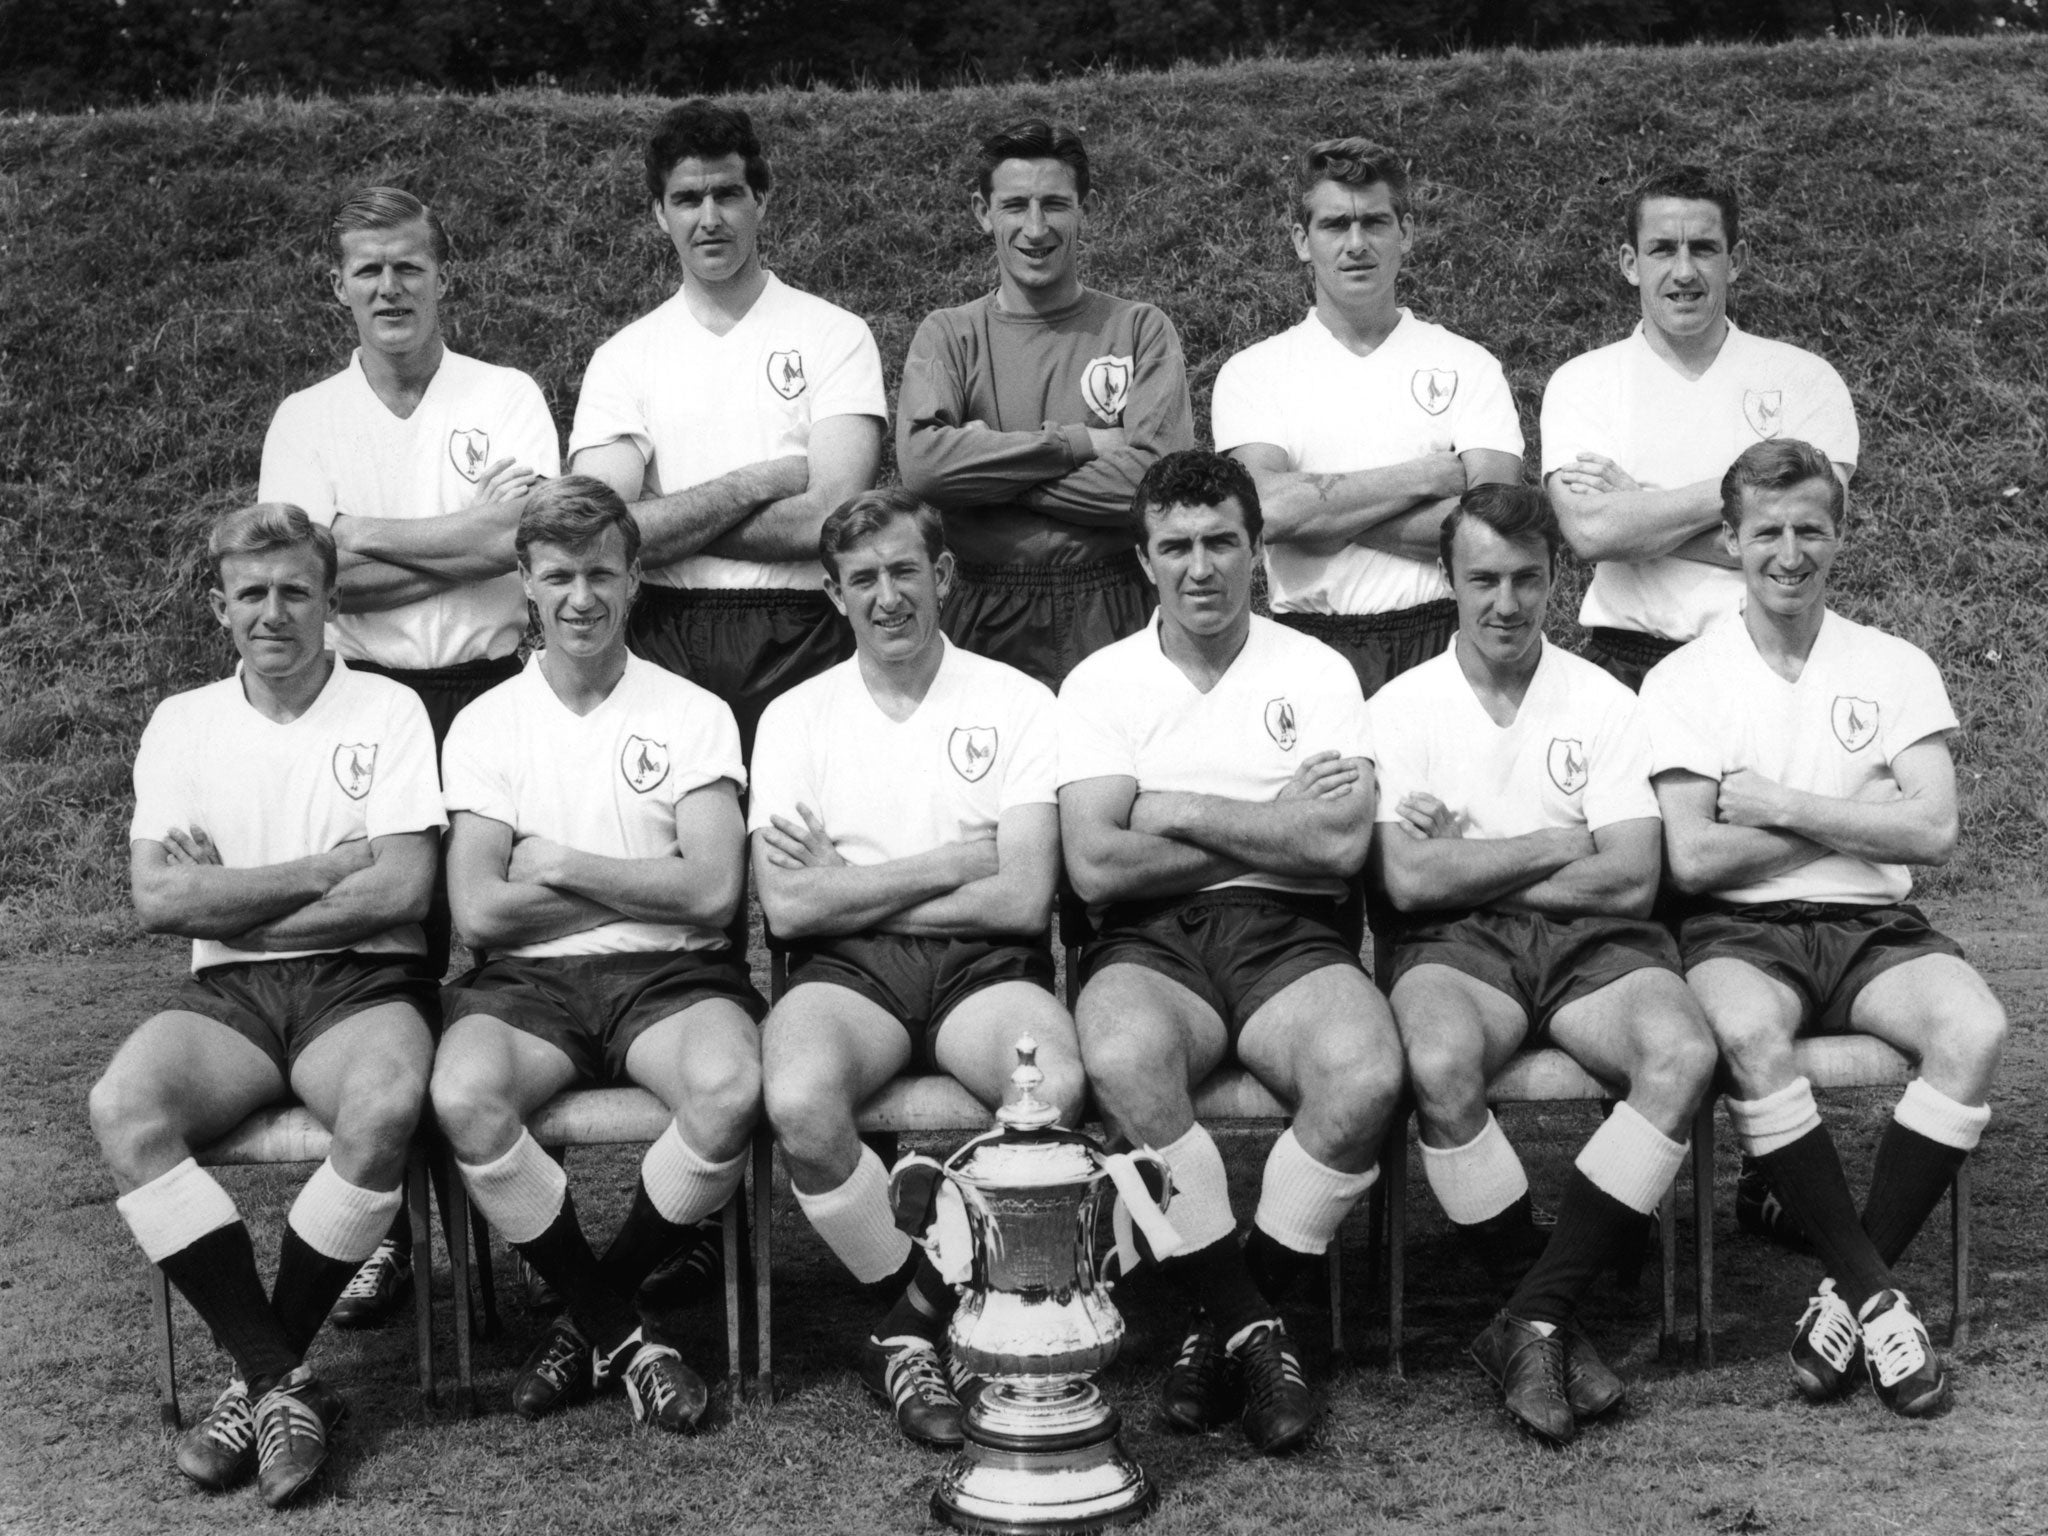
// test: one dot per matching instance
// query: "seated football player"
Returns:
(285, 821)
(1520, 849)
(595, 855)
(905, 842)
(1216, 798)
(1802, 763)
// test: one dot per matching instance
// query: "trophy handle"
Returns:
(925, 1200)
(1144, 1188)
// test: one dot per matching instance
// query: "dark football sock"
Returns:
(1911, 1174)
(643, 1240)
(400, 1235)
(923, 1307)
(1592, 1226)
(1506, 1244)
(217, 1274)
(308, 1283)
(562, 1257)
(1807, 1174)
(1216, 1280)
(1274, 1267)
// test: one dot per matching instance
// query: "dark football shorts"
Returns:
(1045, 619)
(748, 646)
(283, 1006)
(1381, 646)
(1543, 963)
(1627, 655)
(1236, 948)
(593, 1007)
(1826, 952)
(445, 692)
(919, 980)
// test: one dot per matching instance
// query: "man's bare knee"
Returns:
(724, 1090)
(811, 1115)
(130, 1117)
(473, 1107)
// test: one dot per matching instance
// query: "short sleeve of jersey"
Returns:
(1091, 744)
(1680, 731)
(1242, 410)
(1034, 770)
(530, 437)
(609, 407)
(1618, 785)
(1829, 420)
(849, 382)
(291, 469)
(1570, 422)
(1397, 754)
(162, 797)
(1350, 717)
(781, 765)
(718, 755)
(473, 760)
(1924, 708)
(405, 792)
(1484, 414)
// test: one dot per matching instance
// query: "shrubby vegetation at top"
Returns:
(63, 55)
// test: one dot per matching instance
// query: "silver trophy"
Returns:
(1020, 1203)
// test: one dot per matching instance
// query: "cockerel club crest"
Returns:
(355, 768)
(1434, 389)
(971, 749)
(469, 450)
(786, 373)
(644, 763)
(1855, 721)
(1106, 387)
(1280, 723)
(1567, 763)
(1764, 410)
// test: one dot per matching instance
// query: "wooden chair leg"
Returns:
(1336, 1257)
(1396, 1180)
(486, 1274)
(1703, 1231)
(1667, 1225)
(416, 1199)
(455, 1209)
(763, 1178)
(1959, 1239)
(166, 1348)
(729, 1220)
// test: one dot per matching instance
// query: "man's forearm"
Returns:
(1414, 534)
(365, 904)
(1122, 865)
(1002, 903)
(660, 889)
(1910, 830)
(833, 899)
(211, 901)
(1712, 856)
(683, 522)
(372, 586)
(1306, 838)
(1337, 509)
(512, 912)
(782, 531)
(1599, 885)
(1455, 873)
(472, 544)
(1636, 525)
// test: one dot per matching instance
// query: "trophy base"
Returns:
(1042, 1463)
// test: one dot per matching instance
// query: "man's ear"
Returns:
(942, 572)
(833, 591)
(217, 600)
(1628, 265)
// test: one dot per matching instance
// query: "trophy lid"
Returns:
(1029, 1147)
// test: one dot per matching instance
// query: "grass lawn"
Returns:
(1730, 1450)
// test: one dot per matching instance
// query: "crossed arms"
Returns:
(976, 886)
(1606, 515)
(769, 510)
(1426, 863)
(1744, 828)
(1125, 844)
(326, 900)
(1396, 508)
(507, 890)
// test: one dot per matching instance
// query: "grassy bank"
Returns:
(166, 285)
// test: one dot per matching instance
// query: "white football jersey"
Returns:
(698, 406)
(982, 741)
(359, 763)
(336, 450)
(1626, 403)
(607, 782)
(1129, 712)
(1422, 390)
(1575, 756)
(1863, 697)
